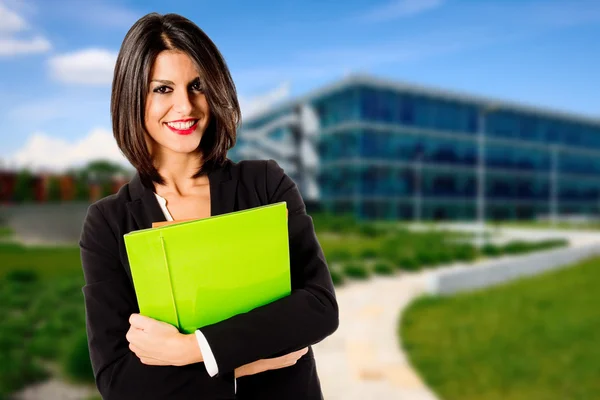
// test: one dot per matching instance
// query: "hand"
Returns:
(159, 343)
(266, 364)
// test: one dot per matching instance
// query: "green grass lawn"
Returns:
(46, 261)
(537, 338)
(5, 231)
(584, 226)
(41, 314)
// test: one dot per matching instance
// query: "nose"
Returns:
(182, 103)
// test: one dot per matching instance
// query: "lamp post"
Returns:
(417, 203)
(481, 176)
(553, 185)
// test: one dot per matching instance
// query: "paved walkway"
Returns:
(362, 359)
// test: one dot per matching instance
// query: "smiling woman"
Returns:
(176, 74)
(175, 113)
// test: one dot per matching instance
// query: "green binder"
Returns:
(196, 273)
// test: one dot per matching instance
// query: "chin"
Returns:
(189, 145)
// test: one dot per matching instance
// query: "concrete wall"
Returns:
(466, 278)
(50, 223)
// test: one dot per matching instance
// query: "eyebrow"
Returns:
(167, 82)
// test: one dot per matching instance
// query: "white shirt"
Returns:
(209, 359)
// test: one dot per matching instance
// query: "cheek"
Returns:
(155, 110)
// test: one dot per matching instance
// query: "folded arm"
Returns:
(305, 317)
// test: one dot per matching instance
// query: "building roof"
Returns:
(403, 87)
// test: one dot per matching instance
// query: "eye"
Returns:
(197, 86)
(161, 89)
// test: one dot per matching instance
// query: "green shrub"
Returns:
(427, 257)
(445, 256)
(44, 346)
(465, 252)
(22, 276)
(370, 230)
(551, 243)
(77, 364)
(408, 264)
(383, 268)
(18, 370)
(336, 277)
(338, 255)
(517, 247)
(369, 253)
(357, 271)
(491, 250)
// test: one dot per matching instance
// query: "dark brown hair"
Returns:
(150, 35)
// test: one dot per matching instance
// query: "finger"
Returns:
(140, 321)
(152, 361)
(138, 351)
(304, 350)
(134, 335)
(297, 354)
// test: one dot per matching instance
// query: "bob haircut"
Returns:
(150, 35)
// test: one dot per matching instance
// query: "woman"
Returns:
(175, 113)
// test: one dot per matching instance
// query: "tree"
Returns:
(24, 187)
(82, 189)
(54, 189)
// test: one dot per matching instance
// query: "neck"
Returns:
(177, 169)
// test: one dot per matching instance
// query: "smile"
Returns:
(183, 128)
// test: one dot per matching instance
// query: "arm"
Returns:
(109, 302)
(305, 317)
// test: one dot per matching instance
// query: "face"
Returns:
(177, 113)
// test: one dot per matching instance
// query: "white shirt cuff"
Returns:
(209, 359)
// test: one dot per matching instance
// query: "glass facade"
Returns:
(385, 150)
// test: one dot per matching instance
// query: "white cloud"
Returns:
(400, 9)
(11, 25)
(10, 21)
(84, 67)
(43, 152)
(13, 46)
(252, 106)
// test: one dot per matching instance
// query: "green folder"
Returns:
(196, 273)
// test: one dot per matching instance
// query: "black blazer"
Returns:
(305, 317)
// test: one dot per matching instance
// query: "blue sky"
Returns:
(56, 57)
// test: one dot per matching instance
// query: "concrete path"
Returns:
(363, 360)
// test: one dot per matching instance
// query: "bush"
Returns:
(408, 264)
(338, 255)
(491, 250)
(383, 268)
(77, 364)
(517, 247)
(370, 230)
(427, 257)
(551, 243)
(336, 277)
(465, 252)
(43, 346)
(445, 256)
(357, 271)
(22, 276)
(369, 253)
(17, 370)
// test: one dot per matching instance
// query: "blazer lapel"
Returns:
(143, 205)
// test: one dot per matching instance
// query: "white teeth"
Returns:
(181, 125)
